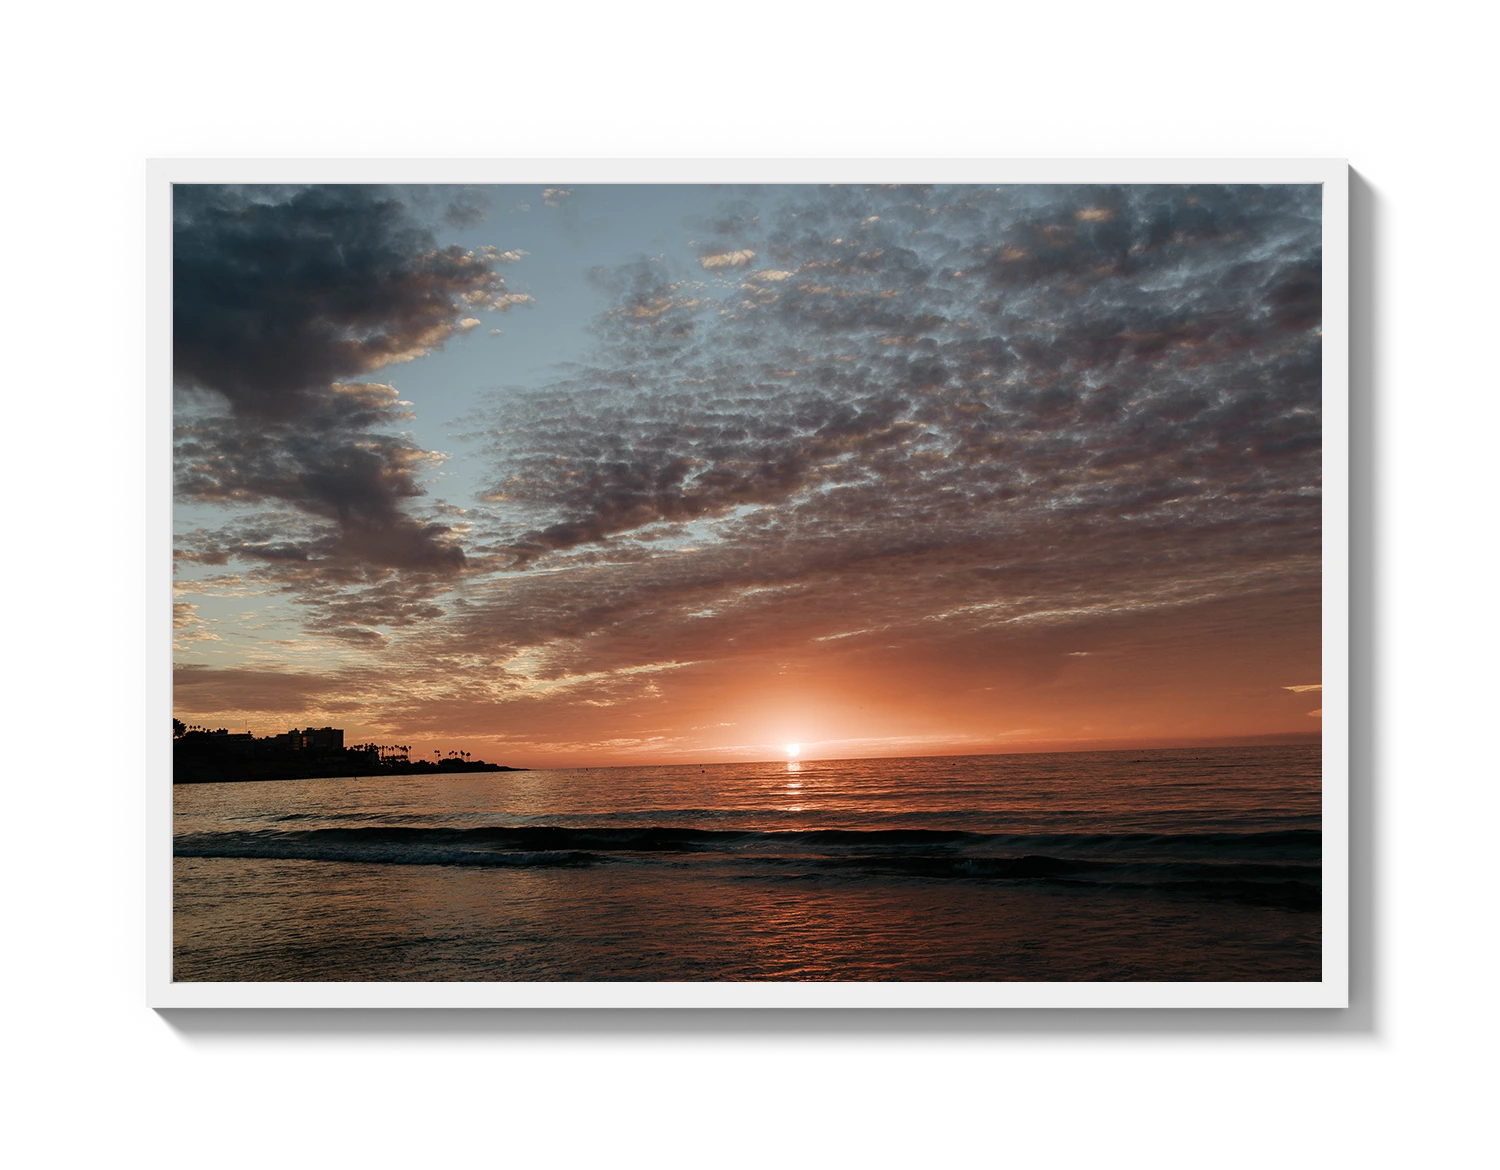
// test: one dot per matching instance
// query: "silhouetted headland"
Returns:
(200, 756)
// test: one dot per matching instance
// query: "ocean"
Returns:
(1193, 864)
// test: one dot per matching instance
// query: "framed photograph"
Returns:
(735, 584)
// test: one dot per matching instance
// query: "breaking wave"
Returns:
(1278, 868)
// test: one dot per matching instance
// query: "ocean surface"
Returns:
(1196, 864)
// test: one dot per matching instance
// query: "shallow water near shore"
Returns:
(1195, 864)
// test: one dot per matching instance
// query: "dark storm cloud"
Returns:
(946, 406)
(273, 302)
(359, 481)
(282, 301)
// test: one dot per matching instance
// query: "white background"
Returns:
(1404, 1076)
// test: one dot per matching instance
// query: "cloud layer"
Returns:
(1173, 328)
(980, 439)
(1057, 397)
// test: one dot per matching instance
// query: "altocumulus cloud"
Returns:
(958, 407)
(736, 259)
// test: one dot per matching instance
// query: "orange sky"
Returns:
(1194, 674)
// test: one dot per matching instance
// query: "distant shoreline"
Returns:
(202, 775)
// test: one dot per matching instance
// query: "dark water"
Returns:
(1201, 864)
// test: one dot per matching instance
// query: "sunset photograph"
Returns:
(735, 583)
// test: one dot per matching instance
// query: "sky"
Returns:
(653, 474)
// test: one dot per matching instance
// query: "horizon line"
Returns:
(1273, 739)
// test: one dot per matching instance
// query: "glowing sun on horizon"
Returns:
(794, 750)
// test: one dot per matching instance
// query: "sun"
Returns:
(794, 749)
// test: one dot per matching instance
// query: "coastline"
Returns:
(334, 770)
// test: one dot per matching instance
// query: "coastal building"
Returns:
(322, 740)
